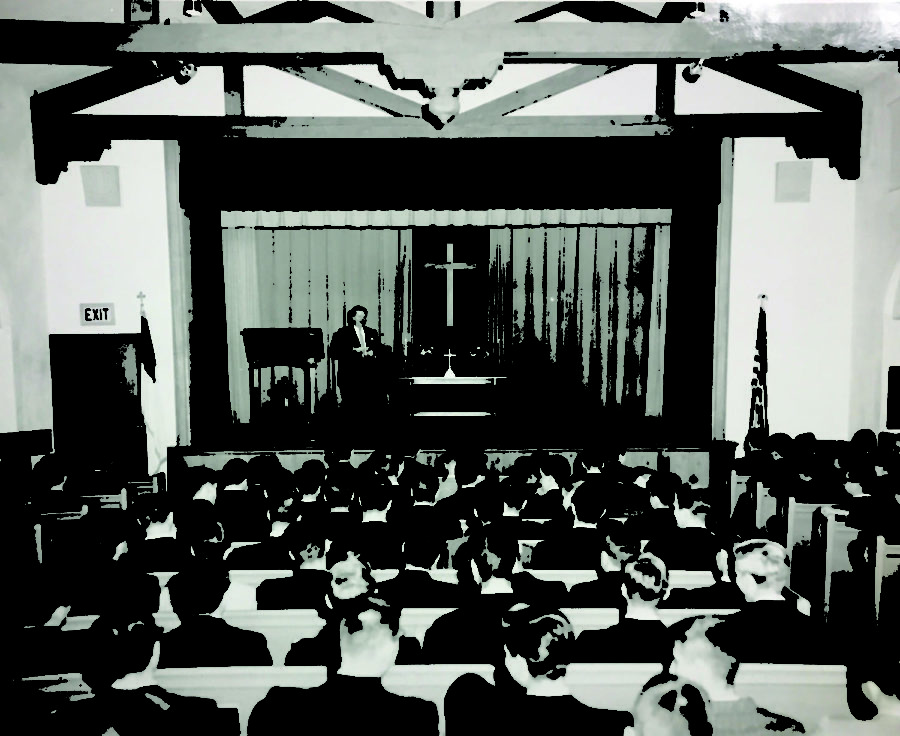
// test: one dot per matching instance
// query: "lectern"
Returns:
(288, 347)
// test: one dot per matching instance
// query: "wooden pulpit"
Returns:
(286, 347)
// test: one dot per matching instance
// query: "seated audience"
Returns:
(528, 695)
(353, 699)
(307, 587)
(576, 547)
(203, 638)
(668, 707)
(446, 469)
(701, 654)
(618, 544)
(241, 499)
(125, 698)
(723, 593)
(769, 628)
(548, 501)
(380, 538)
(160, 549)
(324, 649)
(202, 533)
(414, 587)
(640, 635)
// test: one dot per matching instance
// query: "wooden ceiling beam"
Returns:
(355, 89)
(106, 43)
(294, 11)
(101, 87)
(532, 93)
(787, 83)
(223, 12)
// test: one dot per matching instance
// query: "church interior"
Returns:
(355, 350)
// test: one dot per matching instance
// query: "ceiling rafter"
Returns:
(532, 93)
(596, 12)
(355, 89)
(294, 11)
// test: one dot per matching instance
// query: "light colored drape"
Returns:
(590, 302)
(242, 309)
(310, 278)
(423, 218)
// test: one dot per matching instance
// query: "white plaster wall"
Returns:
(109, 254)
(801, 256)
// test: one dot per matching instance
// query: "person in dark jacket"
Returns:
(202, 639)
(352, 700)
(528, 694)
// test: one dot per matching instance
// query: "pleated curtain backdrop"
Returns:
(586, 304)
(310, 278)
(580, 296)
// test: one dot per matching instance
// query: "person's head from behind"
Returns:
(235, 472)
(662, 488)
(338, 454)
(590, 460)
(588, 505)
(375, 497)
(369, 636)
(351, 573)
(120, 648)
(425, 484)
(281, 494)
(668, 707)
(690, 508)
(499, 553)
(538, 642)
(645, 579)
(357, 316)
(130, 595)
(200, 528)
(762, 569)
(198, 590)
(423, 549)
(151, 509)
(554, 471)
(469, 467)
(310, 476)
(620, 543)
(306, 542)
(699, 653)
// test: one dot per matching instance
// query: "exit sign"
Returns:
(97, 314)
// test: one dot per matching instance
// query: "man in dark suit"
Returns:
(414, 587)
(353, 699)
(358, 351)
(531, 652)
(202, 639)
(125, 699)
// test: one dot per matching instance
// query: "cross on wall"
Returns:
(450, 267)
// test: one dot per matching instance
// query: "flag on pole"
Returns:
(759, 392)
(151, 399)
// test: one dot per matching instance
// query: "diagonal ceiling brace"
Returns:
(520, 98)
(355, 89)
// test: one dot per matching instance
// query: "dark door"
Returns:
(96, 393)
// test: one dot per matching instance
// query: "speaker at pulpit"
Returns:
(279, 348)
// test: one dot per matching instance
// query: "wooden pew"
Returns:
(887, 562)
(831, 539)
(805, 692)
(283, 628)
(766, 505)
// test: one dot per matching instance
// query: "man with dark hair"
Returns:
(203, 639)
(618, 545)
(358, 352)
(125, 698)
(160, 550)
(304, 548)
(367, 644)
(531, 653)
(668, 707)
(202, 532)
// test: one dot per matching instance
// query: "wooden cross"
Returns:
(450, 267)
